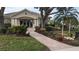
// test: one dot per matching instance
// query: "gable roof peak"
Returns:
(25, 9)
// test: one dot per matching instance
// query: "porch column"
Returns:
(13, 22)
(16, 22)
(35, 23)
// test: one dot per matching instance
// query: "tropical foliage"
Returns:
(67, 16)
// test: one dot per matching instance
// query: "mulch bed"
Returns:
(58, 38)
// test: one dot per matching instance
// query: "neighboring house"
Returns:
(24, 17)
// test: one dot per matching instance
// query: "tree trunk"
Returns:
(2, 18)
(62, 27)
(41, 12)
(44, 18)
(69, 27)
(1, 22)
(42, 23)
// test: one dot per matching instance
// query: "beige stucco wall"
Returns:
(7, 20)
(15, 22)
(36, 23)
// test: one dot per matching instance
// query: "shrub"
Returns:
(76, 34)
(3, 30)
(20, 30)
(53, 25)
(7, 25)
(59, 37)
(48, 28)
(37, 28)
(47, 33)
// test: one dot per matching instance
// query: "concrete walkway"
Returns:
(70, 49)
(50, 43)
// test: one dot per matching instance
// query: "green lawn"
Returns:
(16, 43)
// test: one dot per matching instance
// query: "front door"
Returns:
(22, 22)
(26, 23)
(29, 23)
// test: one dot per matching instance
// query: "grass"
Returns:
(16, 43)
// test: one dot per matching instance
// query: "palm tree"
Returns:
(66, 14)
(72, 15)
(59, 16)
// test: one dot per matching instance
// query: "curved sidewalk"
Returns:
(50, 43)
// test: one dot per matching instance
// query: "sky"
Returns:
(15, 9)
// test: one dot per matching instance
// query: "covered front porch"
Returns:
(27, 21)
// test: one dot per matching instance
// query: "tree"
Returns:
(44, 12)
(59, 16)
(72, 15)
(66, 15)
(2, 17)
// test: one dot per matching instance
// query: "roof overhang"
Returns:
(26, 18)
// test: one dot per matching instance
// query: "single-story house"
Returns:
(23, 17)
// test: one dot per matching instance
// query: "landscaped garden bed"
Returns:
(20, 43)
(56, 34)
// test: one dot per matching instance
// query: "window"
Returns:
(25, 13)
